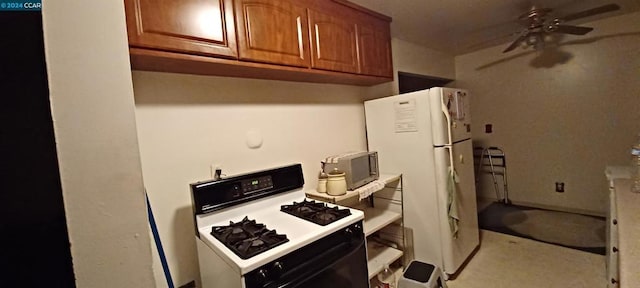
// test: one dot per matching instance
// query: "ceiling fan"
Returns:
(539, 24)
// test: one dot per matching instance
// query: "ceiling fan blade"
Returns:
(573, 30)
(591, 12)
(517, 42)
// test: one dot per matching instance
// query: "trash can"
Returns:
(421, 275)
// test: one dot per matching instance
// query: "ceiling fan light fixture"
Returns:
(549, 28)
(539, 45)
(540, 30)
(535, 40)
(532, 39)
(524, 44)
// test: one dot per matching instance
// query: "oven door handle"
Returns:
(316, 265)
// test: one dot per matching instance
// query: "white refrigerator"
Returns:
(426, 137)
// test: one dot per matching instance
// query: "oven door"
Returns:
(336, 261)
(346, 272)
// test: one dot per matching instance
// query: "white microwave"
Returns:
(359, 168)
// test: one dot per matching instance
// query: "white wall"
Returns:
(412, 58)
(562, 114)
(94, 123)
(186, 123)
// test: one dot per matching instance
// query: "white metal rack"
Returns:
(497, 163)
(383, 208)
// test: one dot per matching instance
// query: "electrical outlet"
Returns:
(559, 187)
(213, 168)
(488, 128)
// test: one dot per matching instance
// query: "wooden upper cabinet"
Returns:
(374, 49)
(272, 31)
(203, 27)
(333, 42)
(323, 41)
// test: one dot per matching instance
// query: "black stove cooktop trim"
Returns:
(213, 195)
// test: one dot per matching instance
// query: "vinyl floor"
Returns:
(506, 261)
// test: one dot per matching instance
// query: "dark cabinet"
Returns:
(204, 27)
(272, 31)
(296, 40)
(333, 42)
(374, 49)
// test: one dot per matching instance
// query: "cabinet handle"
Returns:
(613, 281)
(615, 250)
(300, 47)
(615, 222)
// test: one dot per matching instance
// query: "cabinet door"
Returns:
(272, 31)
(333, 44)
(189, 26)
(374, 48)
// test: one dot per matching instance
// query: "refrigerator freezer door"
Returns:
(456, 103)
(455, 250)
(408, 150)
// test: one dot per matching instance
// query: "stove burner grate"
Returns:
(316, 212)
(247, 238)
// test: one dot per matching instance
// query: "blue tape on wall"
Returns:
(156, 237)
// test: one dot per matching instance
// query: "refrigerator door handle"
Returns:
(449, 145)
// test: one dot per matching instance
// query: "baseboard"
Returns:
(191, 284)
(550, 207)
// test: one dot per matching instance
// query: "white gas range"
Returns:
(256, 230)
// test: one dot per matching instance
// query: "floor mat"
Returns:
(582, 232)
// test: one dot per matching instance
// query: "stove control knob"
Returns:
(278, 268)
(263, 275)
(348, 232)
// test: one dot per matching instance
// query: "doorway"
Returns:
(409, 82)
(35, 242)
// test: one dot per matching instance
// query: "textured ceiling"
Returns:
(462, 26)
